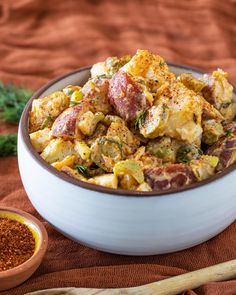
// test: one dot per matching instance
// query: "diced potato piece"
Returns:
(57, 150)
(99, 69)
(110, 66)
(164, 148)
(131, 167)
(107, 180)
(218, 90)
(128, 96)
(100, 131)
(48, 106)
(82, 149)
(149, 161)
(177, 114)
(88, 122)
(131, 143)
(73, 173)
(106, 151)
(229, 111)
(204, 167)
(40, 139)
(149, 66)
(127, 181)
(68, 161)
(191, 82)
(212, 131)
(144, 187)
(96, 95)
(65, 124)
(155, 121)
(225, 147)
(139, 153)
(170, 176)
(187, 152)
(113, 119)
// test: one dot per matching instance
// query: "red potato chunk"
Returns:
(65, 124)
(225, 148)
(169, 177)
(127, 96)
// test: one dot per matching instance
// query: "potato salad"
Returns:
(135, 125)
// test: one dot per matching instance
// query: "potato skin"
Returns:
(169, 177)
(225, 148)
(65, 124)
(127, 96)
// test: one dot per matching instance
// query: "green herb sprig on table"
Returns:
(12, 102)
(8, 144)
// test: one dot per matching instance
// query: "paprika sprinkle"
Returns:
(17, 243)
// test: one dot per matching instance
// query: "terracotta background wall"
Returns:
(42, 39)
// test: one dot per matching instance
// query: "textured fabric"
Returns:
(42, 39)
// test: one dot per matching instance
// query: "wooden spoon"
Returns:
(171, 286)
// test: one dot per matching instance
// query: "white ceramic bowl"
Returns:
(118, 221)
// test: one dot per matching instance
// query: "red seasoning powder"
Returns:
(17, 243)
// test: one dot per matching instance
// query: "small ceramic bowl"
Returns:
(121, 221)
(17, 275)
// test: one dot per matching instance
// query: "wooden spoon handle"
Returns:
(171, 286)
(191, 280)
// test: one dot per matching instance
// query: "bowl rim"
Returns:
(23, 130)
(38, 254)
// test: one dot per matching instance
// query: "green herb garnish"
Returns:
(224, 105)
(139, 121)
(187, 153)
(161, 63)
(84, 170)
(73, 103)
(12, 102)
(47, 122)
(8, 144)
(228, 132)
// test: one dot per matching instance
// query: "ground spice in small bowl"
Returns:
(17, 243)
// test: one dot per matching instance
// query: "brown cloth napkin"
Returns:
(42, 39)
